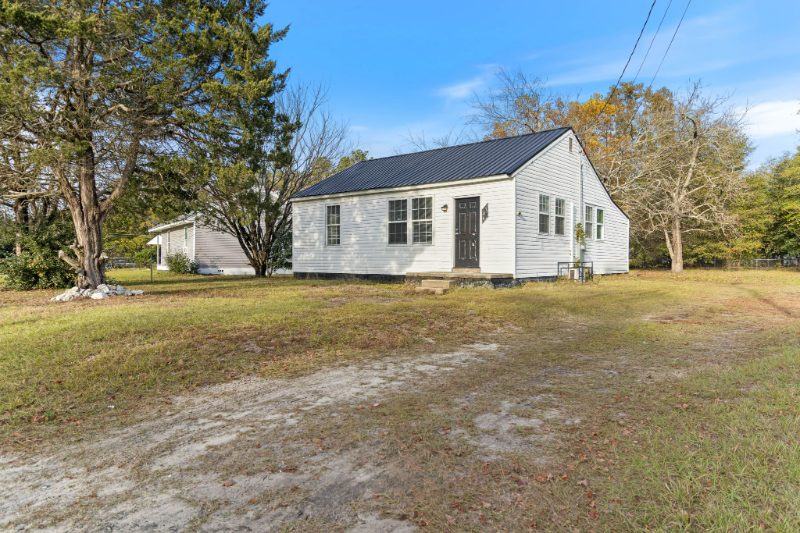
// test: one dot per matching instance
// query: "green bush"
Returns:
(144, 256)
(178, 263)
(38, 266)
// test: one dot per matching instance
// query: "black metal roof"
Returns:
(487, 158)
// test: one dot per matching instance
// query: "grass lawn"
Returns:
(675, 397)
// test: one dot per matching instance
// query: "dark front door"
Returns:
(468, 230)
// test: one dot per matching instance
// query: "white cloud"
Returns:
(773, 118)
(462, 90)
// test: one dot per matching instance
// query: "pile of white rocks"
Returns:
(101, 292)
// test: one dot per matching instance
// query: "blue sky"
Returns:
(412, 66)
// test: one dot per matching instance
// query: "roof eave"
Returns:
(419, 186)
(185, 222)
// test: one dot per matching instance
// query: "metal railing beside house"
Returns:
(580, 271)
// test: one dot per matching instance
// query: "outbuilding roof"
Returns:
(486, 158)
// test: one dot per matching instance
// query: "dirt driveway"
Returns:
(227, 459)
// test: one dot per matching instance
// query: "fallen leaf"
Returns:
(228, 483)
(584, 482)
(376, 404)
(487, 505)
(450, 519)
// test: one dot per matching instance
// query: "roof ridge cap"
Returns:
(465, 144)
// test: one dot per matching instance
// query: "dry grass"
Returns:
(649, 401)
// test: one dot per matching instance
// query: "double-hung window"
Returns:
(589, 222)
(560, 211)
(185, 237)
(422, 220)
(544, 214)
(600, 224)
(333, 224)
(398, 221)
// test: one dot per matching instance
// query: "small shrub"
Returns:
(178, 263)
(144, 256)
(194, 268)
(38, 268)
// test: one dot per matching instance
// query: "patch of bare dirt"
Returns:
(180, 472)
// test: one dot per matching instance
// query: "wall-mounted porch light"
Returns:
(444, 208)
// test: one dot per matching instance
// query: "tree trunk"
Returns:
(92, 270)
(21, 218)
(676, 246)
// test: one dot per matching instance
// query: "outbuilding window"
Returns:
(600, 224)
(422, 220)
(333, 223)
(560, 210)
(589, 221)
(544, 214)
(398, 221)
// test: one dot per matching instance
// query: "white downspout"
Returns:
(194, 241)
(582, 213)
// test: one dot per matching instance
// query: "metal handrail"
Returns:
(580, 271)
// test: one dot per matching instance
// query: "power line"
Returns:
(652, 41)
(670, 43)
(614, 90)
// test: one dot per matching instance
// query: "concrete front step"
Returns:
(431, 290)
(439, 283)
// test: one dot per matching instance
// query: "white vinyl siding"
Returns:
(177, 240)
(609, 254)
(218, 251)
(365, 222)
(555, 173)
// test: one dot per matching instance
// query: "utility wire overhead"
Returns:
(652, 41)
(670, 43)
(614, 90)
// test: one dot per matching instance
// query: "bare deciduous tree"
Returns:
(687, 173)
(419, 142)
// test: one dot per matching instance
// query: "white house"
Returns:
(503, 209)
(215, 252)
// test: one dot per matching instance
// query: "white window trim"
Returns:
(410, 222)
(408, 217)
(556, 216)
(599, 224)
(539, 215)
(589, 234)
(339, 224)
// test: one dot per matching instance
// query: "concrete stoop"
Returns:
(435, 286)
(449, 280)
